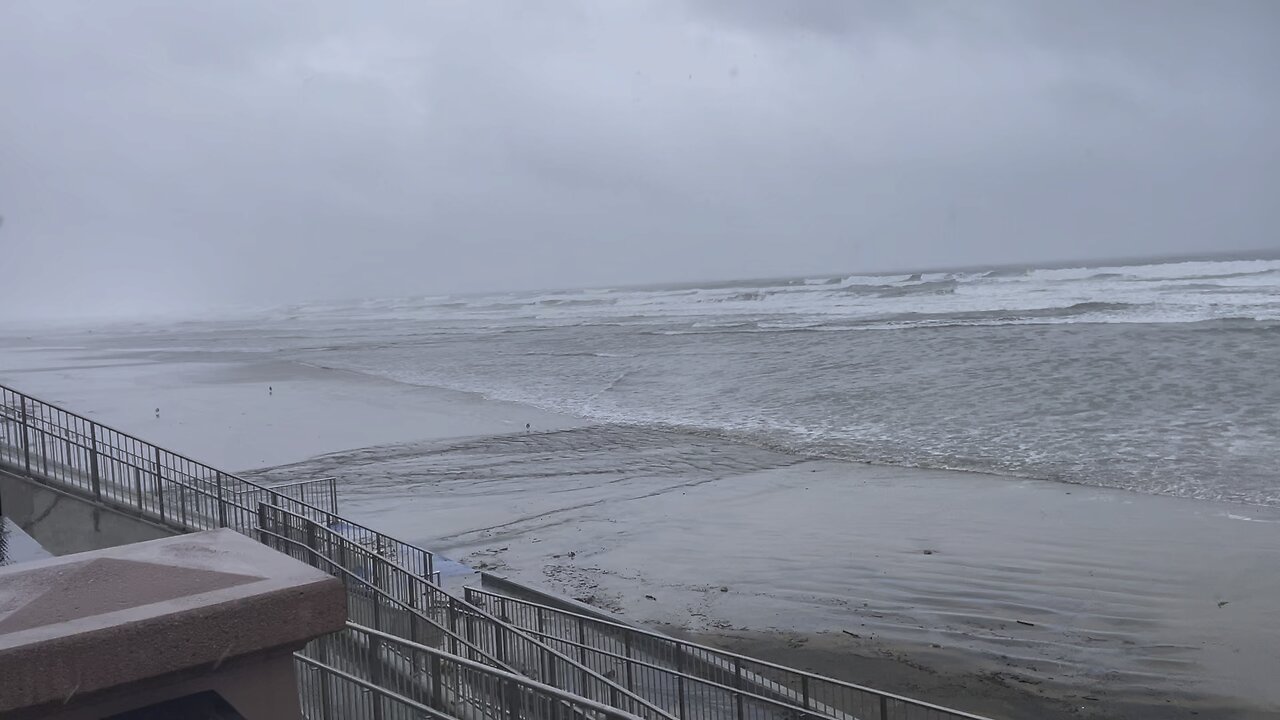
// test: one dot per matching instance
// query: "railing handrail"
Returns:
(383, 593)
(292, 483)
(725, 653)
(500, 624)
(429, 556)
(376, 689)
(637, 662)
(513, 677)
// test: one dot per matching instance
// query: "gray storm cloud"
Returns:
(169, 157)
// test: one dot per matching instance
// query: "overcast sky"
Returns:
(161, 155)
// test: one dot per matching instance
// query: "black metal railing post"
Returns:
(326, 709)
(311, 540)
(512, 692)
(437, 682)
(375, 668)
(159, 486)
(93, 464)
(499, 647)
(222, 502)
(626, 640)
(680, 675)
(377, 599)
(137, 485)
(182, 502)
(737, 684)
(262, 524)
(26, 441)
(582, 658)
(546, 659)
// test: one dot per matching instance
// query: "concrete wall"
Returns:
(65, 524)
(260, 687)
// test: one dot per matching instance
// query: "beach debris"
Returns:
(928, 552)
(573, 554)
(851, 634)
(651, 598)
(587, 599)
(1223, 603)
(1024, 622)
(724, 588)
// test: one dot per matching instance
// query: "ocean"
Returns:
(1156, 378)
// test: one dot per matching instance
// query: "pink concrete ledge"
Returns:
(82, 624)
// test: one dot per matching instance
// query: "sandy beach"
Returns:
(1011, 597)
(243, 410)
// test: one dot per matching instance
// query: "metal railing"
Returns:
(76, 454)
(379, 594)
(320, 493)
(79, 455)
(391, 600)
(701, 681)
(602, 669)
(361, 672)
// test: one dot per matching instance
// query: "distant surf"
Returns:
(1157, 377)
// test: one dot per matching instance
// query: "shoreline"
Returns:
(243, 411)
(1121, 589)
(485, 416)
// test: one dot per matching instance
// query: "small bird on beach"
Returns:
(157, 412)
(526, 427)
(270, 391)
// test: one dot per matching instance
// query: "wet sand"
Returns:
(245, 410)
(1064, 592)
(1016, 598)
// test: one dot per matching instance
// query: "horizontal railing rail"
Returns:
(39, 438)
(402, 675)
(650, 662)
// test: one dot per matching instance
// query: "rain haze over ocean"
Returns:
(169, 159)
